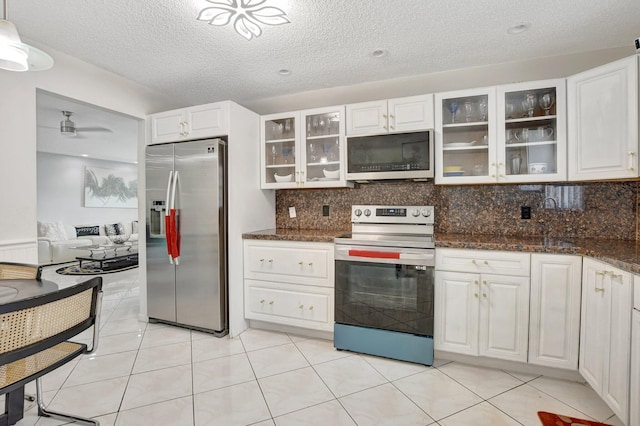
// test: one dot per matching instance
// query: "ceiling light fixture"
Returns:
(284, 72)
(246, 14)
(379, 53)
(518, 28)
(16, 55)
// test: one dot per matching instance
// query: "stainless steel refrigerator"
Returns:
(191, 290)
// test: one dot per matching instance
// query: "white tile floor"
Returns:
(150, 374)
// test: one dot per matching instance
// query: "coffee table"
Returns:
(112, 255)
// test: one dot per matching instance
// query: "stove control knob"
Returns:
(426, 212)
(415, 212)
(367, 212)
(358, 212)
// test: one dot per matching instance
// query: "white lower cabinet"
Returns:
(554, 324)
(634, 406)
(605, 333)
(289, 283)
(485, 314)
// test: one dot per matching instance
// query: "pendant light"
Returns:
(16, 55)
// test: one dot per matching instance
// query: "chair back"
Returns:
(26, 326)
(17, 271)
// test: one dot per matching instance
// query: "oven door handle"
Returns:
(372, 254)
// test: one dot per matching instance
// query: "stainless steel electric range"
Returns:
(384, 283)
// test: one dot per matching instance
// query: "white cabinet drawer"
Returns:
(483, 261)
(297, 263)
(302, 306)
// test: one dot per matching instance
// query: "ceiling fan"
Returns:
(68, 127)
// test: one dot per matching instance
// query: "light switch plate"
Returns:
(292, 212)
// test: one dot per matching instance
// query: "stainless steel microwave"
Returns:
(391, 156)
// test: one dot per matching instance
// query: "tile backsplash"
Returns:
(577, 210)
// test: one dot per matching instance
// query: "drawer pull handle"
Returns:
(300, 263)
(486, 262)
(600, 273)
(599, 290)
(261, 260)
(301, 307)
(485, 282)
(311, 308)
(271, 303)
(262, 301)
(270, 260)
(615, 276)
(310, 263)
(474, 262)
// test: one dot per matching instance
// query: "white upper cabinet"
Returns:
(504, 134)
(196, 122)
(390, 116)
(603, 122)
(303, 149)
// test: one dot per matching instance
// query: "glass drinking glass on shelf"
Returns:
(546, 102)
(510, 110)
(274, 154)
(334, 155)
(314, 125)
(286, 152)
(287, 127)
(482, 109)
(467, 108)
(453, 109)
(325, 153)
(312, 153)
(529, 103)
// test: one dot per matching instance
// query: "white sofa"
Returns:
(57, 243)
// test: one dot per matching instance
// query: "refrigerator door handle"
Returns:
(167, 220)
(175, 235)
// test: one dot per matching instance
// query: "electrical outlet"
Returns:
(292, 212)
(525, 212)
(325, 210)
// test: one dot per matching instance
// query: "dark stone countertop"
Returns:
(621, 254)
(291, 234)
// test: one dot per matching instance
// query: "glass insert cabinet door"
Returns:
(465, 137)
(323, 152)
(279, 149)
(532, 131)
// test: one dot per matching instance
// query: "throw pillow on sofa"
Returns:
(83, 231)
(52, 231)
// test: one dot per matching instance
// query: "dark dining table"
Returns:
(16, 291)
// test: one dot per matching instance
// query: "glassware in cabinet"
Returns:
(323, 146)
(279, 140)
(465, 137)
(533, 130)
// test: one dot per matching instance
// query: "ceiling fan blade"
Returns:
(93, 129)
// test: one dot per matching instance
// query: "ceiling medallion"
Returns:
(247, 15)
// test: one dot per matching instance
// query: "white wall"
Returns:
(69, 77)
(61, 191)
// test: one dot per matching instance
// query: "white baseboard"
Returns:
(20, 251)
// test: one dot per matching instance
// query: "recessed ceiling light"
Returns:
(379, 53)
(84, 155)
(284, 72)
(518, 28)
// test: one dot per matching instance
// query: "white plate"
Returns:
(458, 144)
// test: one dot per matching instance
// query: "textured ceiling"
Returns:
(328, 43)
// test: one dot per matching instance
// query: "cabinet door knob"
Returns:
(474, 262)
(270, 260)
(311, 308)
(261, 260)
(599, 290)
(485, 282)
(476, 282)
(600, 273)
(475, 294)
(271, 303)
(310, 263)
(486, 262)
(300, 263)
(391, 116)
(262, 301)
(384, 116)
(484, 295)
(301, 307)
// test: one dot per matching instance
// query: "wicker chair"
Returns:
(34, 335)
(16, 271)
